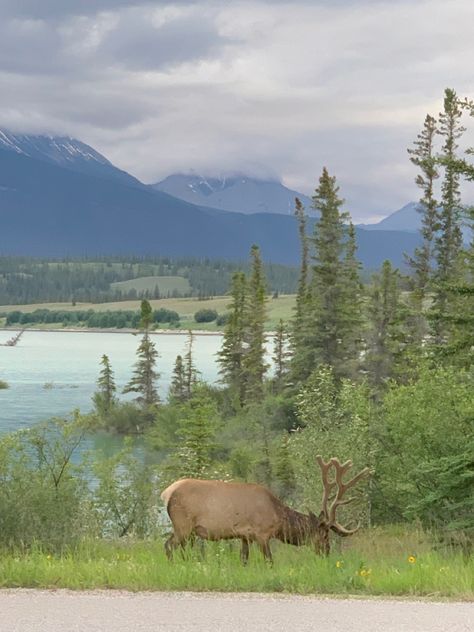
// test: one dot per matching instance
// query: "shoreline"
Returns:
(100, 330)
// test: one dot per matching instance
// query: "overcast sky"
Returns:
(268, 88)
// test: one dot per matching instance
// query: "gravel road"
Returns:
(114, 611)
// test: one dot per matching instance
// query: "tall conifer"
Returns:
(253, 362)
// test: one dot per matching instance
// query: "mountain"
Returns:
(66, 152)
(49, 210)
(239, 193)
(407, 218)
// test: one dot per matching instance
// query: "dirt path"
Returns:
(114, 611)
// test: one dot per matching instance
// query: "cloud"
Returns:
(263, 86)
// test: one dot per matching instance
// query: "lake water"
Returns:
(53, 373)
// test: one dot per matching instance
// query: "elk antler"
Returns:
(337, 500)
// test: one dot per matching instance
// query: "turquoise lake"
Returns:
(53, 373)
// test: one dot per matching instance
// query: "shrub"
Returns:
(3, 385)
(205, 315)
(222, 319)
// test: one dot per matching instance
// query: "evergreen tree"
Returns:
(284, 471)
(280, 353)
(190, 372)
(230, 356)
(449, 241)
(197, 430)
(332, 329)
(254, 366)
(385, 326)
(301, 351)
(423, 156)
(351, 304)
(104, 399)
(145, 375)
(177, 390)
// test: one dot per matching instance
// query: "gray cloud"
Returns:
(256, 86)
(136, 43)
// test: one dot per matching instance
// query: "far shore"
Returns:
(99, 330)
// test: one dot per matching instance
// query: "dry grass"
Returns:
(282, 307)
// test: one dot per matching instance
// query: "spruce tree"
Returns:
(190, 372)
(145, 375)
(177, 392)
(254, 366)
(351, 304)
(422, 262)
(230, 356)
(280, 354)
(449, 241)
(302, 353)
(104, 399)
(335, 288)
(284, 471)
(197, 430)
(385, 335)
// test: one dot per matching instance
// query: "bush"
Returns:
(222, 319)
(205, 315)
(163, 315)
(4, 385)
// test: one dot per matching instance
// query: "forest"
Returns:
(26, 280)
(365, 372)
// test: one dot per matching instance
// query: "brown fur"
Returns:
(216, 510)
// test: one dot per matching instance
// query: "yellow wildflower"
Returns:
(411, 559)
(339, 564)
(48, 557)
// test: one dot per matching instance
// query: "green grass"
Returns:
(165, 284)
(362, 569)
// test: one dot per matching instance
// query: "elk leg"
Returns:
(244, 551)
(172, 543)
(267, 553)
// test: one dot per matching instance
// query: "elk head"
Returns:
(333, 491)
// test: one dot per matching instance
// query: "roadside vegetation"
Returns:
(374, 375)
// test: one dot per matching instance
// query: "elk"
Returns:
(219, 510)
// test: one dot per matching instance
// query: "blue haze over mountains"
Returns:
(59, 197)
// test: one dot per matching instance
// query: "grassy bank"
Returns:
(377, 563)
(281, 307)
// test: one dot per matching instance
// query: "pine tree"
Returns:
(284, 471)
(280, 354)
(254, 366)
(198, 426)
(423, 156)
(302, 353)
(177, 390)
(351, 304)
(230, 357)
(104, 399)
(190, 372)
(335, 288)
(145, 374)
(385, 316)
(449, 241)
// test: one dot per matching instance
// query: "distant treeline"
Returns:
(117, 319)
(26, 280)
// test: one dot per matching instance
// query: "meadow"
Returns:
(277, 308)
(392, 561)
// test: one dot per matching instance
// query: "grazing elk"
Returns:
(216, 510)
